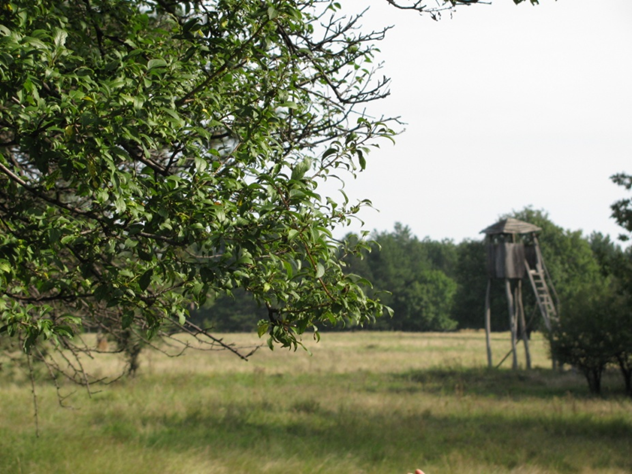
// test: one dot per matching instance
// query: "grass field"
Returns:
(363, 402)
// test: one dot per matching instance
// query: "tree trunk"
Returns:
(593, 376)
(626, 371)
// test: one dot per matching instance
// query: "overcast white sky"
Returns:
(506, 106)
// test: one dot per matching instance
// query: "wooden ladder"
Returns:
(542, 294)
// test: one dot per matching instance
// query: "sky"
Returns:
(506, 106)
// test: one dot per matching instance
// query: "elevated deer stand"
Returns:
(513, 251)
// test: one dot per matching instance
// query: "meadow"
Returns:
(362, 402)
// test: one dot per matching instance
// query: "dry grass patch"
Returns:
(362, 403)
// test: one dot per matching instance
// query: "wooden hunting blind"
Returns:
(513, 252)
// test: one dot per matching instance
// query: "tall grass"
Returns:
(361, 403)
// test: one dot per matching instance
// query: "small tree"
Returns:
(583, 337)
(616, 264)
(622, 344)
(620, 264)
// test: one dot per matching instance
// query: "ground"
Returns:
(363, 402)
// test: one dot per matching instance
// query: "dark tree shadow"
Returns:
(520, 384)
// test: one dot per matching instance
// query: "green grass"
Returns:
(362, 403)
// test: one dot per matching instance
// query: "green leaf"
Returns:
(361, 159)
(54, 235)
(145, 256)
(200, 164)
(145, 279)
(301, 168)
(289, 270)
(329, 151)
(60, 37)
(262, 328)
(320, 270)
(119, 205)
(156, 63)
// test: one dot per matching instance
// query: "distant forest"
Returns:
(440, 285)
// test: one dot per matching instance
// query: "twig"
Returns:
(219, 341)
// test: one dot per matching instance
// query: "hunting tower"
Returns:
(513, 252)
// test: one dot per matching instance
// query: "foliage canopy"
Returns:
(154, 152)
(157, 152)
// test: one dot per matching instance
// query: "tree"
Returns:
(156, 153)
(620, 326)
(618, 263)
(596, 330)
(612, 259)
(410, 276)
(595, 327)
(582, 337)
(425, 302)
(622, 209)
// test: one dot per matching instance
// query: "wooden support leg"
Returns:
(488, 324)
(523, 324)
(512, 323)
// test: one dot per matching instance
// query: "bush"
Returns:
(592, 333)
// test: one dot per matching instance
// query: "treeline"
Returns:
(440, 285)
